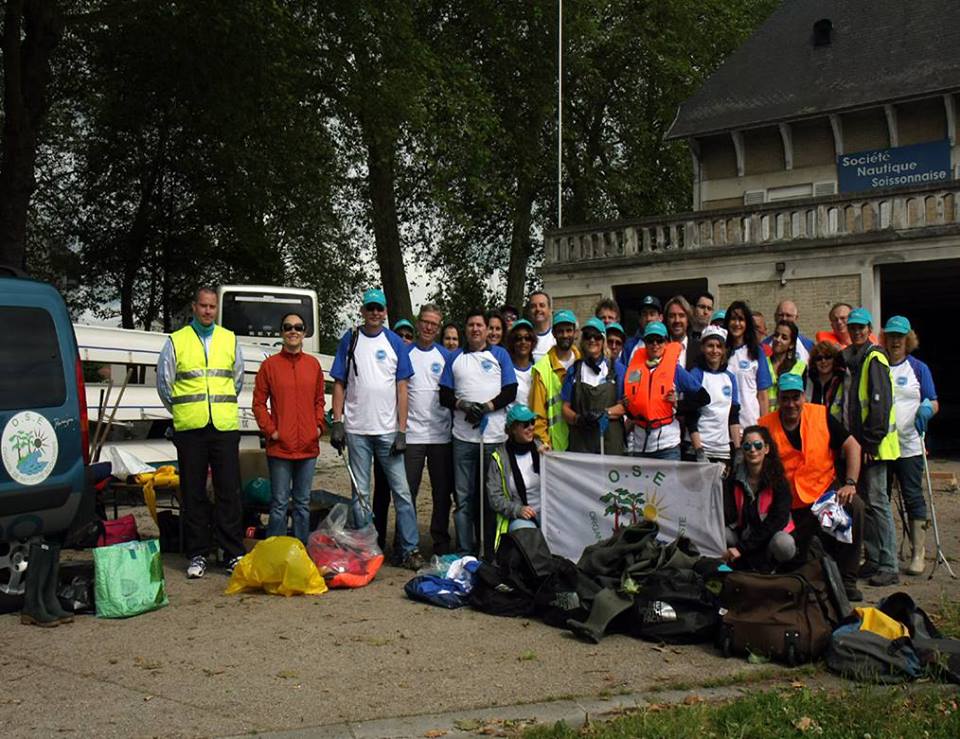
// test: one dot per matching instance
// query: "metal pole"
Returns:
(939, 556)
(560, 115)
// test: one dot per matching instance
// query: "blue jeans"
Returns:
(880, 534)
(521, 523)
(467, 499)
(673, 453)
(909, 473)
(363, 448)
(287, 475)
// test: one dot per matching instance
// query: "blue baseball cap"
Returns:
(521, 323)
(860, 317)
(789, 382)
(374, 295)
(651, 301)
(597, 325)
(519, 413)
(655, 328)
(897, 325)
(403, 323)
(718, 315)
(564, 316)
(614, 326)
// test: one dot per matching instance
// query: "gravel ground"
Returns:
(211, 664)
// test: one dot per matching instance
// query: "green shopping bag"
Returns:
(128, 579)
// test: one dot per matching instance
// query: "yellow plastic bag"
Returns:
(279, 565)
(875, 620)
(165, 477)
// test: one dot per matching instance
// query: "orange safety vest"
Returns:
(835, 340)
(645, 389)
(810, 470)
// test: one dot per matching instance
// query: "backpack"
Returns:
(508, 587)
(783, 617)
(939, 655)
(566, 593)
(673, 606)
(859, 653)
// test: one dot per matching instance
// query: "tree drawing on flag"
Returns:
(621, 503)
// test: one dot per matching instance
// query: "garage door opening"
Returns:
(628, 297)
(925, 292)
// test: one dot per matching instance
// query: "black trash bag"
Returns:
(75, 587)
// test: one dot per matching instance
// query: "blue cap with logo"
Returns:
(897, 325)
(655, 328)
(614, 326)
(718, 315)
(519, 413)
(374, 295)
(521, 323)
(564, 316)
(402, 323)
(651, 301)
(597, 325)
(860, 317)
(789, 382)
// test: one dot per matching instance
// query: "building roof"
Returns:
(880, 51)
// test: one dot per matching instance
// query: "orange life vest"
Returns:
(645, 389)
(810, 470)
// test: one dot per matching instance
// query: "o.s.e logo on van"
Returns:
(29, 448)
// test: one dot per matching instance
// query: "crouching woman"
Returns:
(513, 478)
(757, 506)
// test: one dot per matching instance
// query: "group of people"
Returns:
(790, 418)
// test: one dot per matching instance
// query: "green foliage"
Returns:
(849, 713)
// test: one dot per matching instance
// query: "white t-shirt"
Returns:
(908, 393)
(428, 422)
(545, 342)
(524, 378)
(531, 480)
(479, 377)
(591, 378)
(370, 406)
(750, 374)
(714, 423)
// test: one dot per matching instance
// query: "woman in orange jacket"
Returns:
(293, 383)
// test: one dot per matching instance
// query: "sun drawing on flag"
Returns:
(655, 507)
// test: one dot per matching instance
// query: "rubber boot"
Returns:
(50, 600)
(38, 571)
(918, 533)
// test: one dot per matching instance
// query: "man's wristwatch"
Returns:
(850, 481)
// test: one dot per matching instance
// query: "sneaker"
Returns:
(867, 570)
(884, 577)
(414, 561)
(197, 567)
(232, 563)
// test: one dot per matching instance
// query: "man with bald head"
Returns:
(787, 311)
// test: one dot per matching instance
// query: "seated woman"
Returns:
(592, 393)
(757, 507)
(513, 478)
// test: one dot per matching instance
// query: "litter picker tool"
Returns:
(483, 492)
(356, 488)
(939, 556)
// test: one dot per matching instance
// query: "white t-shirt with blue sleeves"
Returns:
(428, 422)
(714, 423)
(478, 377)
(370, 406)
(912, 384)
(752, 375)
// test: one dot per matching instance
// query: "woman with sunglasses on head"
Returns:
(825, 375)
(783, 358)
(521, 339)
(450, 337)
(757, 503)
(915, 401)
(293, 383)
(496, 328)
(747, 362)
(592, 396)
(513, 477)
(715, 426)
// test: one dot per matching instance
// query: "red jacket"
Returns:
(294, 385)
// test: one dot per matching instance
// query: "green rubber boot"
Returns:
(50, 600)
(38, 572)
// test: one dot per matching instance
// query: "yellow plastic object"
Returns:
(279, 565)
(164, 477)
(872, 619)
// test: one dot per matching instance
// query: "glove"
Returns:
(475, 413)
(589, 419)
(701, 455)
(399, 445)
(338, 436)
(924, 414)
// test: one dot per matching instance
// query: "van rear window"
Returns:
(31, 370)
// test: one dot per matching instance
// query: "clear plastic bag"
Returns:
(347, 557)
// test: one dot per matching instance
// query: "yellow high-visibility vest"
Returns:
(203, 389)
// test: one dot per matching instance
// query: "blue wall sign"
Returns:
(903, 166)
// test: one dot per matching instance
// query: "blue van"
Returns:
(44, 437)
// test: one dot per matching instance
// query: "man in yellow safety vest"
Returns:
(547, 382)
(199, 376)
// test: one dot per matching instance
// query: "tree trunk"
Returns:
(31, 31)
(520, 246)
(386, 231)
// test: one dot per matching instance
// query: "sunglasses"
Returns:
(823, 359)
(374, 308)
(524, 424)
(655, 340)
(523, 337)
(592, 337)
(298, 327)
(405, 334)
(748, 445)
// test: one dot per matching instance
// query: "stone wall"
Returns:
(581, 305)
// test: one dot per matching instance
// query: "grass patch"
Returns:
(859, 712)
(947, 616)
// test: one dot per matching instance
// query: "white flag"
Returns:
(586, 497)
